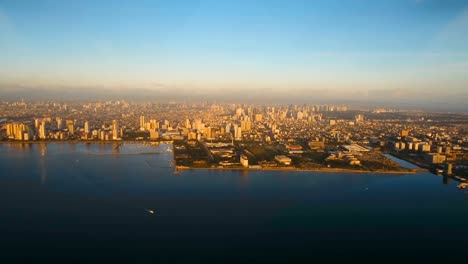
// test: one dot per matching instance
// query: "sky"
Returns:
(403, 50)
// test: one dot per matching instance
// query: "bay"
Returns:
(91, 202)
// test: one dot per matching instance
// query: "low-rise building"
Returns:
(283, 159)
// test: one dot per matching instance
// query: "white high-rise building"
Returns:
(42, 130)
(115, 130)
(86, 127)
(244, 161)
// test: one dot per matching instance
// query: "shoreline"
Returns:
(83, 141)
(293, 169)
(181, 168)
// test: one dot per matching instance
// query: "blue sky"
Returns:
(351, 48)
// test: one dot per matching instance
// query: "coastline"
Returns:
(294, 169)
(77, 141)
(181, 168)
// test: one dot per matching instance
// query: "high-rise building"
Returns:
(258, 118)
(115, 130)
(42, 130)
(246, 125)
(142, 122)
(239, 112)
(17, 131)
(192, 135)
(237, 132)
(71, 127)
(154, 124)
(86, 127)
(59, 123)
(36, 123)
(359, 118)
(154, 134)
(102, 135)
(244, 161)
(300, 115)
(210, 132)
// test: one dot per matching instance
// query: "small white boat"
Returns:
(150, 211)
(462, 185)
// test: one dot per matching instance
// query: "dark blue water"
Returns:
(86, 202)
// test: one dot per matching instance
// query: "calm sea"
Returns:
(89, 202)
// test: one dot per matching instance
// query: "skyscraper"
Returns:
(142, 122)
(86, 127)
(59, 123)
(246, 125)
(359, 118)
(16, 131)
(115, 130)
(36, 123)
(71, 127)
(42, 130)
(237, 132)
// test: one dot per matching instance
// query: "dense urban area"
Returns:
(241, 136)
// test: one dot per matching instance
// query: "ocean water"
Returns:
(66, 203)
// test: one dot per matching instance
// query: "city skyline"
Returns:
(412, 52)
(304, 130)
(233, 131)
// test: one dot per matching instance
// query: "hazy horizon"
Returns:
(379, 99)
(404, 53)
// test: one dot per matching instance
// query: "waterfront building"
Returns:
(244, 161)
(425, 147)
(283, 159)
(17, 131)
(154, 134)
(42, 130)
(36, 124)
(115, 130)
(435, 158)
